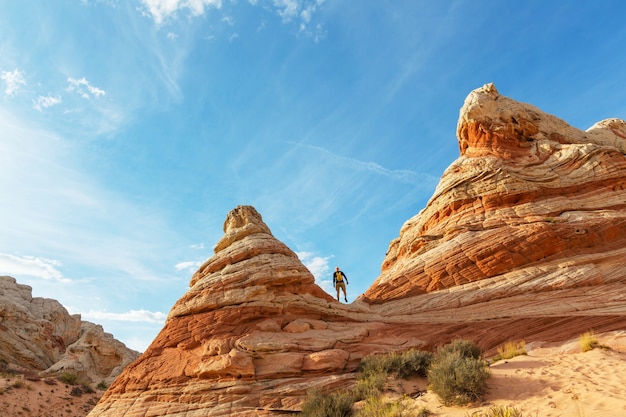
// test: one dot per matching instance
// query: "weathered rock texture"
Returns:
(530, 196)
(523, 239)
(38, 334)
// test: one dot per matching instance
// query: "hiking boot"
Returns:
(346, 299)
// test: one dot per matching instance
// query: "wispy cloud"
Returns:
(301, 11)
(161, 10)
(189, 266)
(132, 315)
(44, 102)
(13, 81)
(84, 88)
(402, 175)
(31, 266)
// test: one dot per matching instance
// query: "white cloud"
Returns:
(13, 80)
(45, 102)
(287, 9)
(84, 88)
(320, 268)
(191, 266)
(31, 266)
(292, 9)
(161, 10)
(132, 315)
(172, 36)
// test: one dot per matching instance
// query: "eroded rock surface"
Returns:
(38, 334)
(529, 195)
(523, 240)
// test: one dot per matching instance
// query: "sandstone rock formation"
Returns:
(523, 239)
(530, 196)
(38, 334)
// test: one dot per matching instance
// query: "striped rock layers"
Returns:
(529, 195)
(524, 238)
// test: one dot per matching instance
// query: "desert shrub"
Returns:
(411, 362)
(376, 407)
(457, 374)
(498, 411)
(335, 404)
(465, 348)
(588, 341)
(511, 350)
(369, 384)
(414, 362)
(376, 364)
(68, 378)
(102, 385)
(374, 371)
(76, 391)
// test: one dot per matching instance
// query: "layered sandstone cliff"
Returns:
(530, 197)
(38, 334)
(522, 240)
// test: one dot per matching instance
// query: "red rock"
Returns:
(524, 239)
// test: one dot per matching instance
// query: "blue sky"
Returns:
(129, 129)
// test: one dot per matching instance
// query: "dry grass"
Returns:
(511, 350)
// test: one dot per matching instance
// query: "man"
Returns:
(339, 281)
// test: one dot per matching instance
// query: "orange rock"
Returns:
(524, 239)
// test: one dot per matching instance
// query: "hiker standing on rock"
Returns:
(339, 281)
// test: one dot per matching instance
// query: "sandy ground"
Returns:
(551, 381)
(28, 396)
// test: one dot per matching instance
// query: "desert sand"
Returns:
(552, 381)
(24, 395)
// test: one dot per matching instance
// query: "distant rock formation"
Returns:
(38, 334)
(523, 240)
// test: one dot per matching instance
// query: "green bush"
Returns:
(102, 386)
(465, 348)
(457, 374)
(414, 362)
(336, 404)
(374, 371)
(404, 365)
(369, 384)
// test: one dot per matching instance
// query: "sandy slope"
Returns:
(22, 396)
(556, 381)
